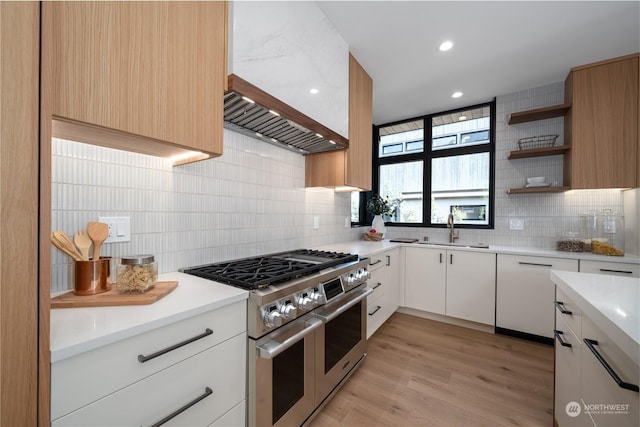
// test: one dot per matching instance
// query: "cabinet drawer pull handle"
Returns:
(606, 270)
(375, 311)
(440, 257)
(388, 260)
(142, 358)
(535, 263)
(207, 392)
(377, 262)
(450, 258)
(562, 342)
(627, 386)
(560, 306)
(377, 285)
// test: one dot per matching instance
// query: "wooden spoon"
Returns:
(83, 242)
(98, 232)
(60, 240)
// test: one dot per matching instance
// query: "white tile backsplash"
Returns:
(252, 199)
(249, 201)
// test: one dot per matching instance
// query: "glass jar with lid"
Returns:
(609, 239)
(136, 273)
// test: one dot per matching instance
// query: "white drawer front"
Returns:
(87, 377)
(236, 417)
(607, 267)
(572, 314)
(221, 369)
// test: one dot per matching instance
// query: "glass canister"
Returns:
(589, 225)
(609, 239)
(137, 273)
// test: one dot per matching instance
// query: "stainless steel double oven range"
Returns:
(306, 325)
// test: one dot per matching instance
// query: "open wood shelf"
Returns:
(538, 152)
(539, 114)
(538, 190)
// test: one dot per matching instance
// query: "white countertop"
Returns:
(366, 248)
(76, 330)
(611, 302)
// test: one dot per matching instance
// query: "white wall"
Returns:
(250, 201)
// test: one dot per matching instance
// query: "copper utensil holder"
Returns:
(92, 277)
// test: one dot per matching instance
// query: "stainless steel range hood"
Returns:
(251, 111)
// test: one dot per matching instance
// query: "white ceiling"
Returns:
(500, 47)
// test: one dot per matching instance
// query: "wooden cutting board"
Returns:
(403, 240)
(113, 297)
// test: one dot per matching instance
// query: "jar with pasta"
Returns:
(136, 273)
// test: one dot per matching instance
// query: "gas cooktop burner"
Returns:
(260, 272)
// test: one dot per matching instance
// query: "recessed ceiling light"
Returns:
(332, 142)
(461, 118)
(445, 46)
(313, 91)
(456, 94)
(249, 100)
(319, 135)
(274, 113)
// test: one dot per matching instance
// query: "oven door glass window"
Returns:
(288, 379)
(341, 335)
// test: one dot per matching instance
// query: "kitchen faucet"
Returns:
(453, 236)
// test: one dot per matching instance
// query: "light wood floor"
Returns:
(420, 372)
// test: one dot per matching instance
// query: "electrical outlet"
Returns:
(119, 228)
(516, 224)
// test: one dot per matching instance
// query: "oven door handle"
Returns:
(272, 348)
(329, 315)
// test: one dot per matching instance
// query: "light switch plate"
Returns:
(516, 224)
(119, 228)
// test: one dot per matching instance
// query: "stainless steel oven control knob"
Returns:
(288, 310)
(304, 302)
(315, 297)
(272, 318)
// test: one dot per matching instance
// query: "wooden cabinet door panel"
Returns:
(604, 125)
(153, 69)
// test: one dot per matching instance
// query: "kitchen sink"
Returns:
(455, 245)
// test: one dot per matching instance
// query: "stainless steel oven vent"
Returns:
(255, 113)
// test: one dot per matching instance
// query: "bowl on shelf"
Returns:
(535, 180)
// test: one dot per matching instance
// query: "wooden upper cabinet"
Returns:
(360, 126)
(350, 167)
(140, 76)
(602, 125)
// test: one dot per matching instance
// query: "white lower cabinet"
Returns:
(525, 292)
(608, 403)
(211, 381)
(236, 417)
(385, 282)
(471, 286)
(454, 283)
(567, 368)
(610, 267)
(586, 394)
(425, 279)
(197, 364)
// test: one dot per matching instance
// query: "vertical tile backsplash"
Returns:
(252, 199)
(249, 201)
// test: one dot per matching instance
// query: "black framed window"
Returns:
(454, 174)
